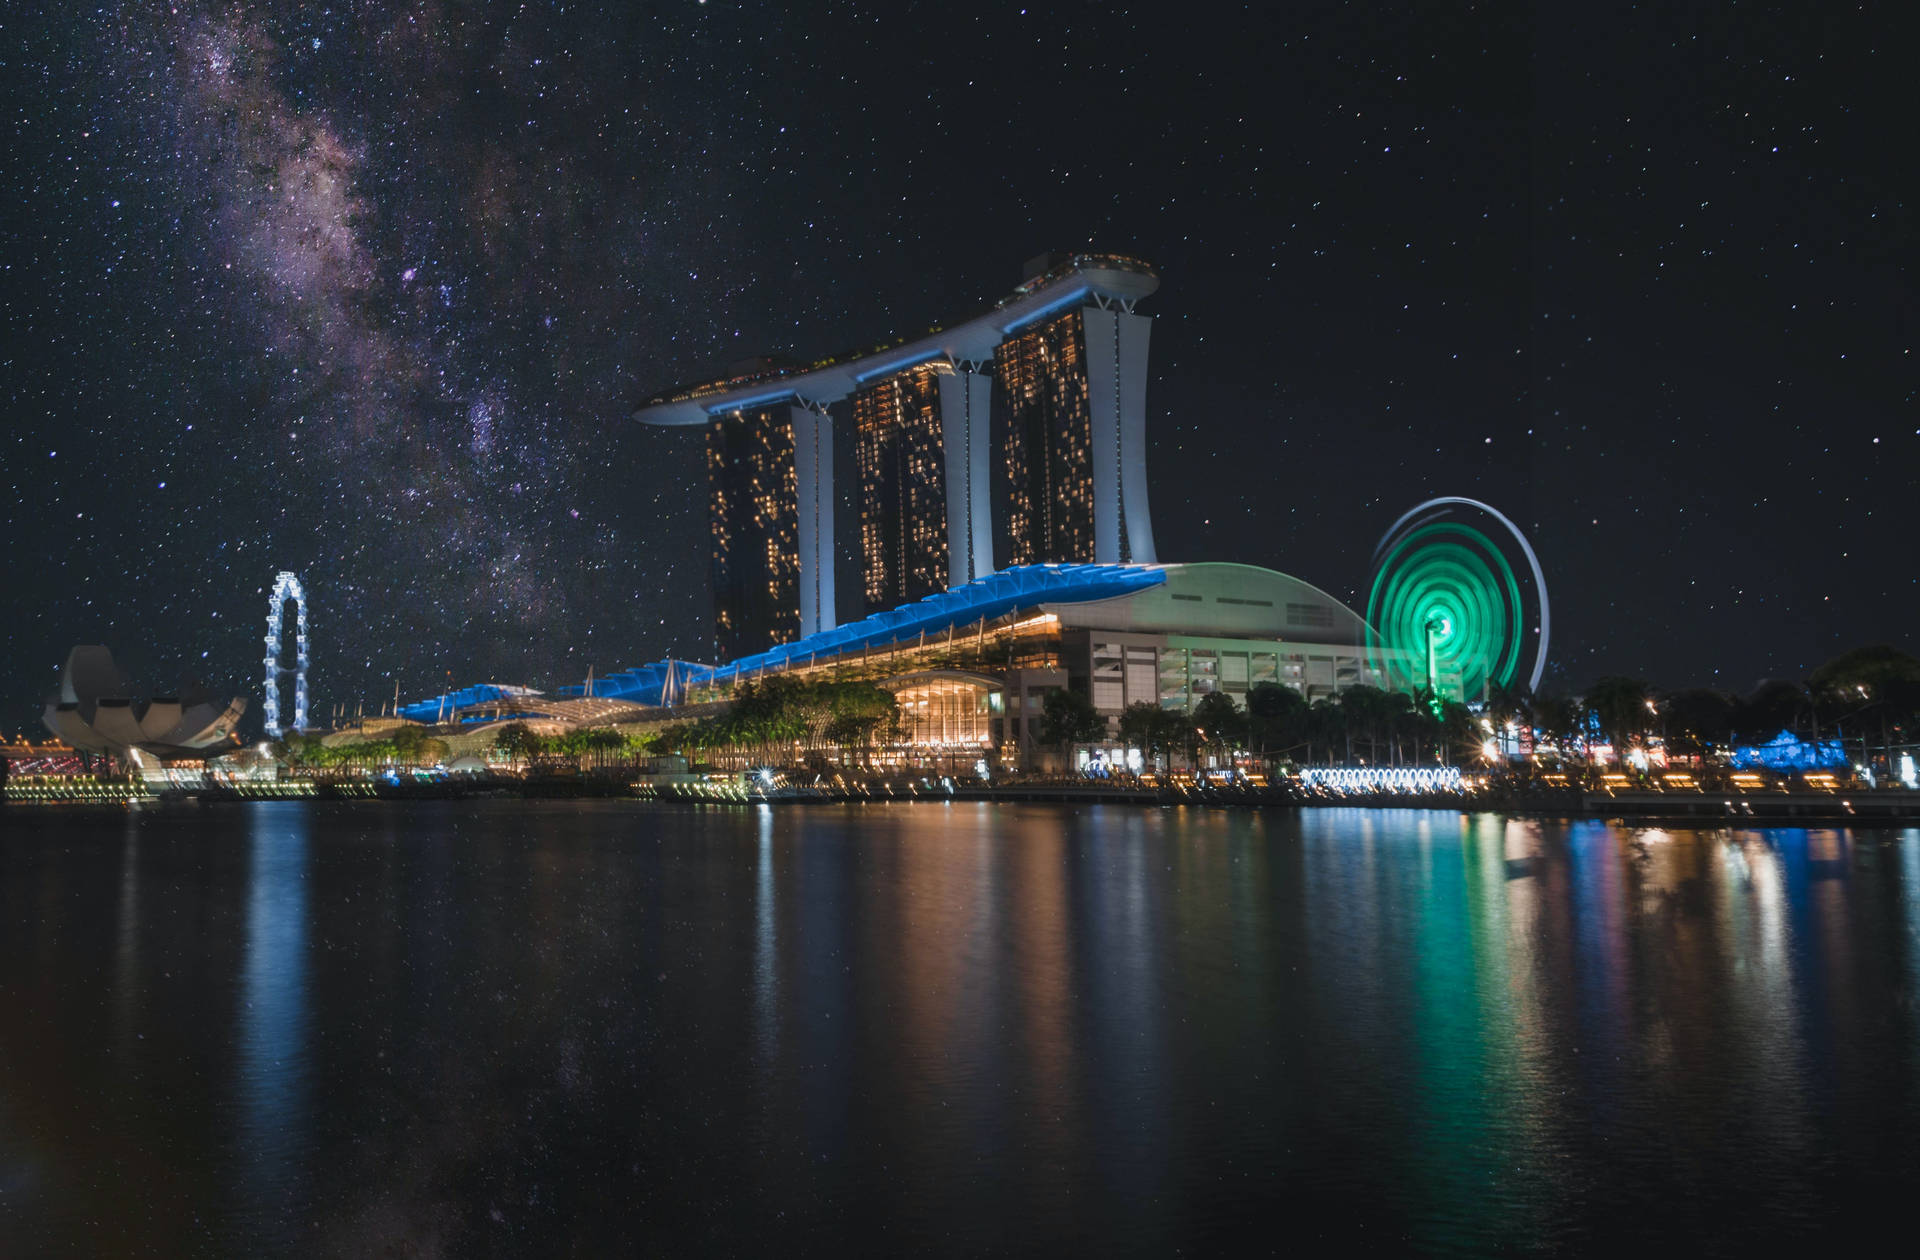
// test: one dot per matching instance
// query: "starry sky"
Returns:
(368, 291)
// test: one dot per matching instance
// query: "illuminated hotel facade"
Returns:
(903, 487)
(1070, 356)
(1074, 442)
(770, 503)
(921, 450)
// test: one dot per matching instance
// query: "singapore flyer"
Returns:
(1457, 605)
(286, 586)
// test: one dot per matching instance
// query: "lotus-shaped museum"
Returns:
(94, 711)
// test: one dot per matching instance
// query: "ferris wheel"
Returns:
(1457, 604)
(286, 586)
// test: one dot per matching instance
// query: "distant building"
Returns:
(1073, 444)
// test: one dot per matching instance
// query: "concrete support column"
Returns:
(965, 428)
(813, 486)
(1116, 350)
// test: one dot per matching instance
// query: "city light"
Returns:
(1384, 778)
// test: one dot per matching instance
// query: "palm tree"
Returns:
(1510, 704)
(1220, 719)
(1619, 705)
(1328, 727)
(1558, 718)
(1276, 716)
(1067, 717)
(1696, 720)
(1140, 726)
(1409, 719)
(1879, 682)
(1773, 706)
(1368, 711)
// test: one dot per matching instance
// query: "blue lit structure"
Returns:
(1787, 751)
(982, 599)
(443, 707)
(656, 684)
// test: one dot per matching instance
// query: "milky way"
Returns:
(368, 382)
(418, 346)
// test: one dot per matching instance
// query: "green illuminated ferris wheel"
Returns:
(1457, 604)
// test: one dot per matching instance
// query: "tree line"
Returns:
(415, 746)
(1868, 698)
(1278, 724)
(404, 745)
(784, 719)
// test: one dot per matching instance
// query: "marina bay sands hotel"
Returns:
(1043, 397)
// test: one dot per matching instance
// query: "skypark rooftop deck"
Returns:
(1109, 276)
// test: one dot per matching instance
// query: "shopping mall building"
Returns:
(971, 666)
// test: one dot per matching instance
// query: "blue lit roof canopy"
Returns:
(442, 708)
(1205, 600)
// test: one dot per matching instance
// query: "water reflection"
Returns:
(1039, 936)
(1909, 918)
(272, 1079)
(766, 933)
(821, 995)
(596, 1028)
(126, 950)
(1121, 925)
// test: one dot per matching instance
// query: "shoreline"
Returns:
(1883, 807)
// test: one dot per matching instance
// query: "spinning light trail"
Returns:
(1449, 608)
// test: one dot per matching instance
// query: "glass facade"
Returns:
(949, 712)
(903, 487)
(1186, 673)
(1047, 440)
(753, 501)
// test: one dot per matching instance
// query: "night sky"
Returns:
(369, 292)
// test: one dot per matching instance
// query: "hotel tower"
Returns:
(1052, 378)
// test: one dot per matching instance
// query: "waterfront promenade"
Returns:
(1778, 806)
